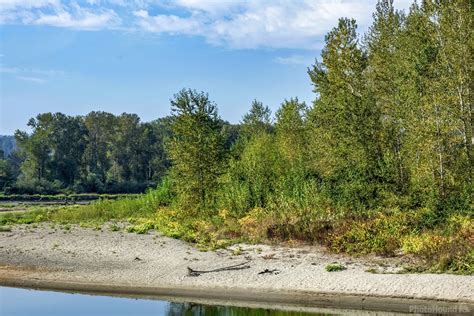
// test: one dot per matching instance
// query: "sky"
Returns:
(133, 56)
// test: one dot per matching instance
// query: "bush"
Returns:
(334, 267)
(451, 249)
(381, 233)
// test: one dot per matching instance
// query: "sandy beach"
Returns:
(121, 263)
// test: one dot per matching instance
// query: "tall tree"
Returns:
(454, 24)
(344, 120)
(36, 147)
(384, 76)
(99, 141)
(291, 130)
(67, 142)
(126, 150)
(196, 149)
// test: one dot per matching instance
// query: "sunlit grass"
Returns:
(440, 245)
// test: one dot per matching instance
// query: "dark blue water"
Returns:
(21, 302)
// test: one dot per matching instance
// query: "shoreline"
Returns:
(82, 260)
(258, 298)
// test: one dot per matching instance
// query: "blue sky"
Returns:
(132, 56)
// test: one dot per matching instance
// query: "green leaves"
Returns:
(196, 149)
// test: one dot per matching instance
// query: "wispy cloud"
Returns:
(240, 24)
(79, 18)
(294, 60)
(31, 79)
(31, 74)
(168, 24)
(56, 13)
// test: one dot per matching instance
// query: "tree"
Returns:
(196, 148)
(35, 147)
(257, 120)
(291, 130)
(251, 176)
(99, 141)
(344, 120)
(126, 149)
(453, 24)
(5, 172)
(432, 140)
(160, 161)
(384, 75)
(67, 142)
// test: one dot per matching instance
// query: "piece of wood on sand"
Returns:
(240, 266)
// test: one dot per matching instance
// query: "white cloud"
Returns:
(254, 24)
(294, 60)
(55, 13)
(168, 24)
(31, 79)
(240, 24)
(79, 19)
(14, 4)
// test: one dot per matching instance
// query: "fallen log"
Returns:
(240, 266)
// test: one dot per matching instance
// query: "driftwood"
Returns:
(274, 271)
(240, 266)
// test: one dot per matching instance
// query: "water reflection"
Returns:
(189, 309)
(21, 302)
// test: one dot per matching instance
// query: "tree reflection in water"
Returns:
(190, 309)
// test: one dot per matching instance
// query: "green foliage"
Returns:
(99, 152)
(382, 162)
(141, 228)
(114, 227)
(196, 149)
(257, 120)
(335, 267)
(448, 248)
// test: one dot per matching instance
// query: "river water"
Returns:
(23, 302)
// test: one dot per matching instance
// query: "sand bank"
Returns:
(151, 265)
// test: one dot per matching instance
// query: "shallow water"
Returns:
(22, 302)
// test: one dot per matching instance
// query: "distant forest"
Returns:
(392, 124)
(7, 145)
(99, 152)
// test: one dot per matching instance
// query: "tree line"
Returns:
(99, 152)
(392, 125)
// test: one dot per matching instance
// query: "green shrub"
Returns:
(334, 267)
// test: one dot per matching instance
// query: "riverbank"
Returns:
(80, 259)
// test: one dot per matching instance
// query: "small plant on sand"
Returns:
(237, 251)
(142, 228)
(334, 267)
(114, 227)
